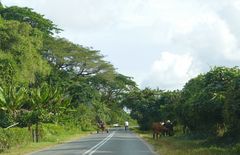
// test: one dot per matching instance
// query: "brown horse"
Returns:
(102, 127)
(158, 129)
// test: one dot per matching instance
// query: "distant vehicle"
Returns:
(116, 125)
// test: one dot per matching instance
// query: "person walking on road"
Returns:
(126, 124)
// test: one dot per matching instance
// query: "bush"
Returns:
(5, 120)
(16, 137)
(52, 132)
(13, 137)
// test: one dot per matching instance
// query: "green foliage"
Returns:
(91, 81)
(49, 79)
(112, 87)
(117, 115)
(18, 43)
(12, 99)
(27, 15)
(19, 137)
(6, 119)
(101, 110)
(207, 105)
(82, 93)
(206, 101)
(50, 132)
(148, 106)
(47, 103)
(6, 69)
(13, 137)
(182, 145)
(1, 6)
(86, 118)
(65, 55)
(232, 103)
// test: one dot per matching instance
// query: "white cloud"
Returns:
(133, 33)
(210, 33)
(170, 71)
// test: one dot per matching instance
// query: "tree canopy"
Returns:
(48, 79)
(27, 15)
(20, 58)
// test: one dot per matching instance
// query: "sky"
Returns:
(160, 43)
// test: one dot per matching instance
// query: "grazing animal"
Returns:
(169, 126)
(101, 125)
(158, 128)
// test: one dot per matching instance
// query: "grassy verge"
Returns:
(182, 145)
(52, 135)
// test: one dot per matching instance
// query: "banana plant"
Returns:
(47, 101)
(12, 99)
(2, 99)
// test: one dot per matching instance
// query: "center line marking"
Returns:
(94, 148)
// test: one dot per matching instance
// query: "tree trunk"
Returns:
(37, 132)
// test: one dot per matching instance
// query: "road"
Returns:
(116, 142)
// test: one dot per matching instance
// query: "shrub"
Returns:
(13, 137)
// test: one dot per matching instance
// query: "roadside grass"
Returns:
(183, 145)
(32, 147)
(53, 135)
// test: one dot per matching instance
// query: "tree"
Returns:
(144, 106)
(18, 43)
(82, 93)
(204, 100)
(1, 6)
(27, 15)
(232, 101)
(67, 56)
(47, 104)
(168, 102)
(112, 86)
(12, 99)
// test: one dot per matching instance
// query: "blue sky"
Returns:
(157, 42)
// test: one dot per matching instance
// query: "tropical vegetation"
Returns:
(45, 79)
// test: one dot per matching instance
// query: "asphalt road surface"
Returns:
(116, 142)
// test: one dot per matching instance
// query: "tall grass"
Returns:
(13, 137)
(182, 145)
(17, 138)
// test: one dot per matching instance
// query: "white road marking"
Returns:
(96, 147)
